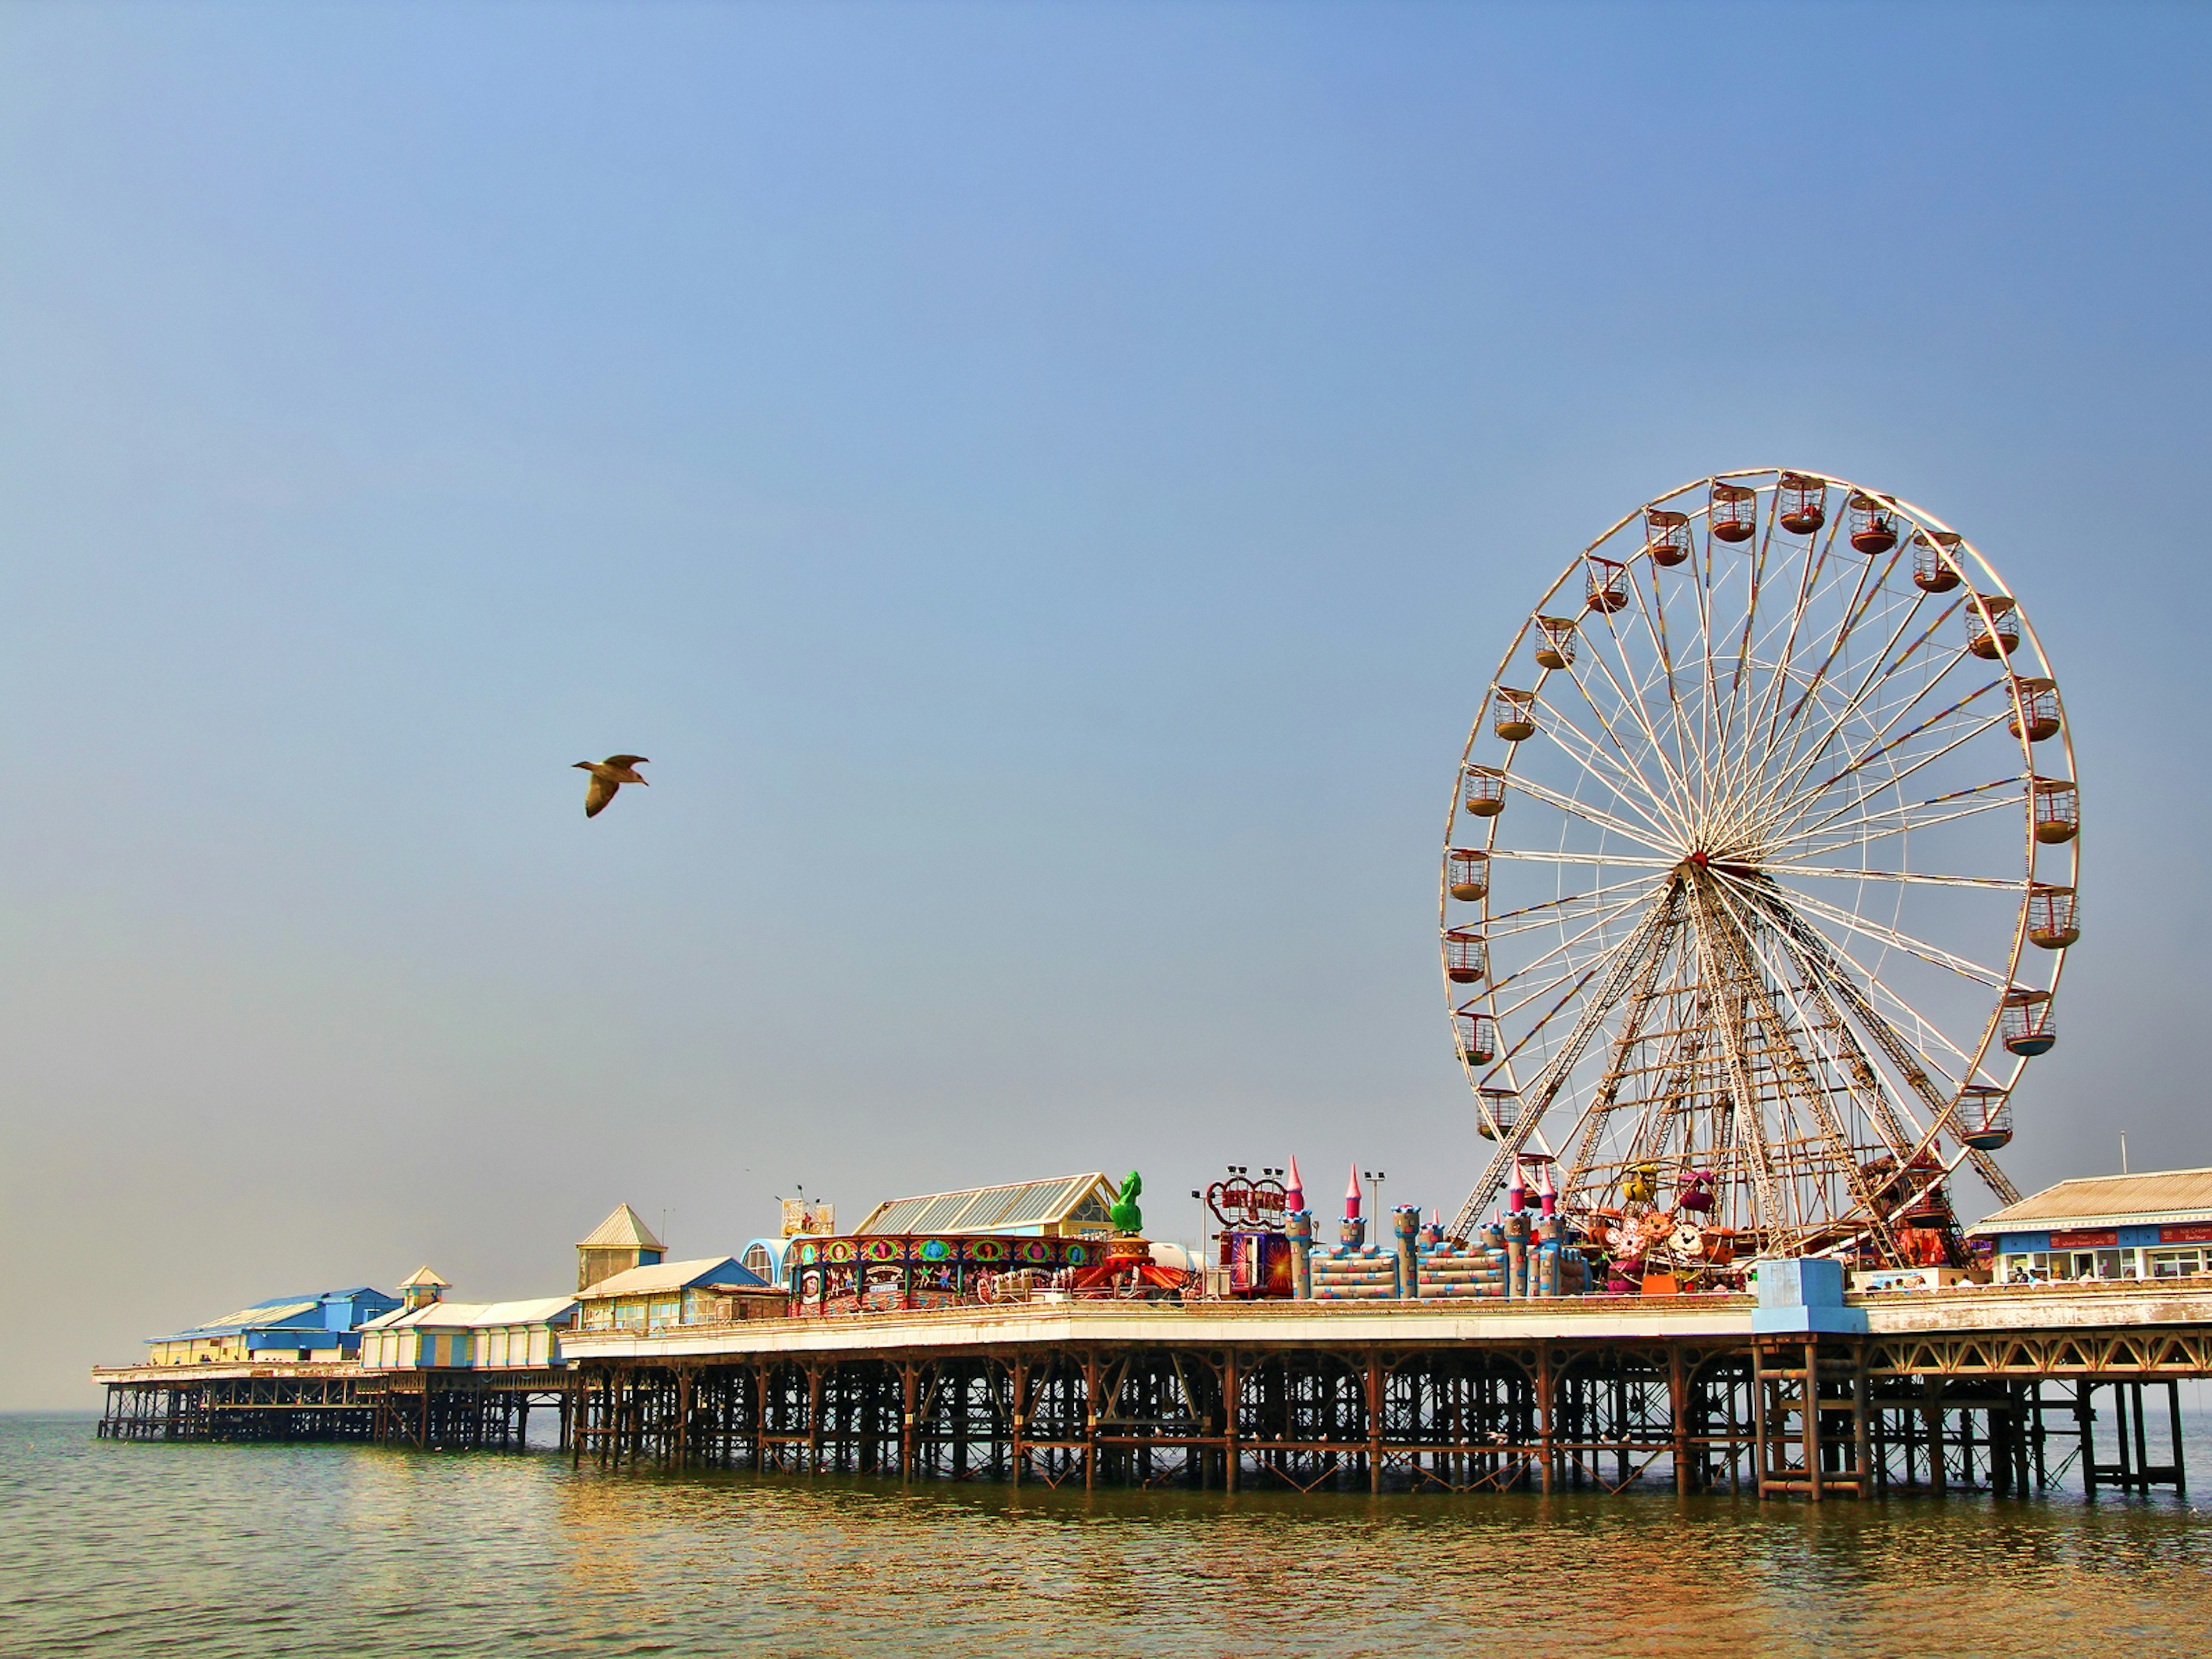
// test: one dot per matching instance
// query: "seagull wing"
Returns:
(627, 760)
(597, 793)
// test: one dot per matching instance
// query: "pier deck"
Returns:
(1986, 1386)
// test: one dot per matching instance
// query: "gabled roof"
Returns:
(2120, 1200)
(286, 1313)
(422, 1276)
(984, 1209)
(475, 1316)
(679, 1276)
(624, 1230)
(262, 1314)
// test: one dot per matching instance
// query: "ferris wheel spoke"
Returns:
(1665, 805)
(1928, 1036)
(1795, 768)
(1627, 860)
(1797, 831)
(1635, 693)
(1789, 778)
(1917, 878)
(1790, 815)
(1896, 938)
(1891, 822)
(1529, 1039)
(1771, 700)
(1641, 885)
(1562, 948)
(1655, 624)
(1575, 809)
(1594, 760)
(1862, 602)
(1496, 934)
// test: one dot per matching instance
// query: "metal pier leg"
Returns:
(2120, 1435)
(814, 1420)
(1374, 1422)
(2173, 1420)
(1811, 1424)
(1232, 1396)
(1547, 1406)
(1678, 1407)
(1862, 1429)
(1761, 1451)
(2142, 1450)
(1931, 1413)
(2084, 1420)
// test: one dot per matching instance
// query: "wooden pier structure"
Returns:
(2004, 1389)
(430, 1411)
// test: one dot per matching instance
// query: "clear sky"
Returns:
(1047, 485)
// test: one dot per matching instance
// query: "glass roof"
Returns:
(977, 1209)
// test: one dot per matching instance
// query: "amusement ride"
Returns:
(1759, 878)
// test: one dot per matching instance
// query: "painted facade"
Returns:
(469, 1336)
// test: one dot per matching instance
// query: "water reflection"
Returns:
(225, 1551)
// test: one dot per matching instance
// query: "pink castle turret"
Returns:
(1294, 1194)
(1351, 1196)
(1516, 1191)
(1546, 1191)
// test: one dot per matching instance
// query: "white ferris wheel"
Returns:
(1759, 873)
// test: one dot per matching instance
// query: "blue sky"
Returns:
(1046, 484)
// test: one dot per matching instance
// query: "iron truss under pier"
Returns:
(1988, 1387)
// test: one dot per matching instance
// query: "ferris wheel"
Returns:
(1760, 874)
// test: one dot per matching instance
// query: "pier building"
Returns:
(469, 1335)
(316, 1328)
(715, 1290)
(2157, 1224)
(1058, 1206)
(617, 1244)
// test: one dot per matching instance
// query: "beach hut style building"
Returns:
(712, 1291)
(316, 1328)
(479, 1336)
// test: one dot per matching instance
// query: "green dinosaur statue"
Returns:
(1128, 1218)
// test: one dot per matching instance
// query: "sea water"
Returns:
(217, 1551)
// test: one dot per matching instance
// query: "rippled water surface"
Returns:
(255, 1550)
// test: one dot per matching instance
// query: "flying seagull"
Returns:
(607, 776)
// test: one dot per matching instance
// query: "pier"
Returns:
(2001, 1387)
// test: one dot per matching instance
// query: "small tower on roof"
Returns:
(620, 1242)
(421, 1288)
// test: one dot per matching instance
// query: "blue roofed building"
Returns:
(315, 1326)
